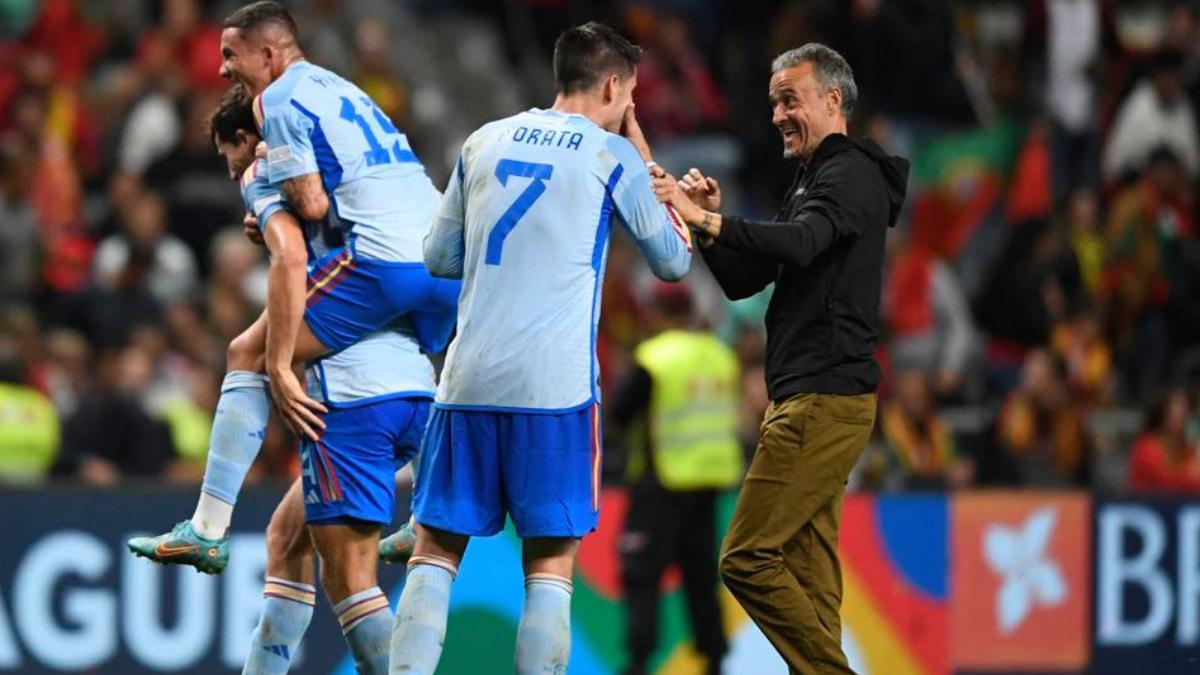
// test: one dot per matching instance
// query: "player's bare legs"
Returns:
(288, 592)
(544, 634)
(348, 562)
(420, 627)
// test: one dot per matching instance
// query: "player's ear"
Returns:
(243, 137)
(611, 84)
(833, 100)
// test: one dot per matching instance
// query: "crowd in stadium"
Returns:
(1042, 298)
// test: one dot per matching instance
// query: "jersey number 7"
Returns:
(539, 173)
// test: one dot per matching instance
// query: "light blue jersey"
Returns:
(314, 121)
(385, 364)
(525, 224)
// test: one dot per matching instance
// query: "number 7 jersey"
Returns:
(315, 121)
(525, 224)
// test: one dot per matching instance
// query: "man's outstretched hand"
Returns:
(704, 190)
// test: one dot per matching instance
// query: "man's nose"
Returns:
(777, 115)
(224, 72)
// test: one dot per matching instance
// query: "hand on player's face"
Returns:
(705, 191)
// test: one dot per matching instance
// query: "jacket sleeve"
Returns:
(841, 203)
(740, 275)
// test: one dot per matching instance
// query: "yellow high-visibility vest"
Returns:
(28, 433)
(693, 410)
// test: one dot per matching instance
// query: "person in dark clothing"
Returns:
(824, 252)
(681, 394)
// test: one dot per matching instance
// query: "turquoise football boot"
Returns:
(182, 546)
(397, 547)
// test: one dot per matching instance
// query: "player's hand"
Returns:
(704, 190)
(670, 192)
(665, 187)
(633, 131)
(250, 229)
(298, 410)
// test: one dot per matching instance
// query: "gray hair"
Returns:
(830, 67)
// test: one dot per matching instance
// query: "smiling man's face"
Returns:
(803, 110)
(244, 62)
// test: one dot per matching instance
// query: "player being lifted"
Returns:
(378, 392)
(515, 426)
(337, 158)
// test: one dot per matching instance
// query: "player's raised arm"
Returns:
(444, 246)
(291, 161)
(663, 240)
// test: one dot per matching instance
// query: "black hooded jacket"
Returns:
(825, 254)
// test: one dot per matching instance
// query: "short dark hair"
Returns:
(584, 55)
(259, 15)
(234, 113)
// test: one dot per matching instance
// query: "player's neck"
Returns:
(290, 58)
(577, 104)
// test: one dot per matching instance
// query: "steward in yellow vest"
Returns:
(681, 402)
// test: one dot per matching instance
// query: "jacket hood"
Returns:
(895, 174)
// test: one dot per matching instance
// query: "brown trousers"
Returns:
(779, 558)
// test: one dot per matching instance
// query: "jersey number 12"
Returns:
(539, 173)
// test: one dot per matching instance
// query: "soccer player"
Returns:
(337, 158)
(378, 392)
(515, 426)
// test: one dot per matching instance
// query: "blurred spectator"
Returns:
(679, 103)
(1164, 459)
(928, 319)
(902, 52)
(186, 39)
(376, 76)
(1146, 222)
(29, 431)
(19, 246)
(146, 252)
(1156, 113)
(237, 292)
(1041, 428)
(676, 94)
(1072, 37)
(1034, 284)
(111, 435)
(1087, 239)
(1079, 342)
(152, 126)
(191, 178)
(921, 453)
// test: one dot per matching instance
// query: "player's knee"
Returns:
(285, 541)
(243, 354)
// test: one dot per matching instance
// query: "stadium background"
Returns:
(1027, 503)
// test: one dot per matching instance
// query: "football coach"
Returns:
(824, 253)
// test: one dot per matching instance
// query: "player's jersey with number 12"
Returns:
(315, 121)
(525, 222)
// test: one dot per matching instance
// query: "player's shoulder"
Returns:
(303, 82)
